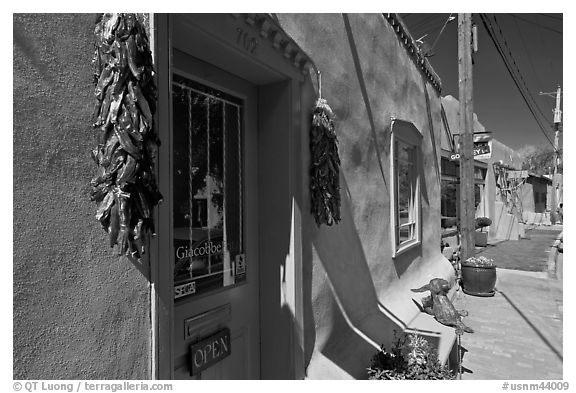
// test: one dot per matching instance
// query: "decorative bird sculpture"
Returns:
(438, 305)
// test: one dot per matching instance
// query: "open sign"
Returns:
(209, 351)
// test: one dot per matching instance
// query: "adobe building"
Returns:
(240, 282)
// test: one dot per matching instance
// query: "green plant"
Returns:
(481, 261)
(482, 222)
(411, 357)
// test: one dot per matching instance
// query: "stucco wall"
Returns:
(357, 290)
(79, 311)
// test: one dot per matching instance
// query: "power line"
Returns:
(526, 92)
(537, 24)
(429, 24)
(492, 34)
(450, 17)
(553, 17)
(518, 70)
(528, 55)
(426, 19)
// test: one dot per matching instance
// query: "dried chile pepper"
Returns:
(114, 225)
(104, 207)
(124, 243)
(126, 142)
(132, 110)
(132, 58)
(140, 100)
(128, 171)
(99, 192)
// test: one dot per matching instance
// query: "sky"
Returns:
(535, 41)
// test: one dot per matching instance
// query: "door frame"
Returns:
(273, 63)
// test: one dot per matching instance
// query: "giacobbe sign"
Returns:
(209, 351)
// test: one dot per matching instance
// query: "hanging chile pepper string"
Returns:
(324, 163)
(124, 187)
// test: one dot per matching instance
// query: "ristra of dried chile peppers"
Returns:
(324, 166)
(124, 187)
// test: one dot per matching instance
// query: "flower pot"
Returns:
(481, 239)
(478, 280)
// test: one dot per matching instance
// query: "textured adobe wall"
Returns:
(79, 312)
(367, 77)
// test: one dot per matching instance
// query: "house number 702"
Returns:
(248, 43)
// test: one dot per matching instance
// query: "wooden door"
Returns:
(215, 249)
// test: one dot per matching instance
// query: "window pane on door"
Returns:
(207, 212)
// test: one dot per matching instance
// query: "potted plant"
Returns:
(481, 237)
(478, 276)
(411, 357)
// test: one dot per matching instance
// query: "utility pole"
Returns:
(467, 206)
(557, 121)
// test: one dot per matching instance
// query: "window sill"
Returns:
(406, 247)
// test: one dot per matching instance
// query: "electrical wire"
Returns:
(420, 22)
(428, 25)
(498, 45)
(544, 116)
(560, 18)
(536, 24)
(439, 34)
(528, 55)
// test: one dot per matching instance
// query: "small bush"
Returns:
(410, 358)
(482, 222)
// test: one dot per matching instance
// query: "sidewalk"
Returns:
(529, 254)
(518, 332)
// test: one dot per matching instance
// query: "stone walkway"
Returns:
(518, 332)
(530, 254)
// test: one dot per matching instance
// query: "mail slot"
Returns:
(209, 351)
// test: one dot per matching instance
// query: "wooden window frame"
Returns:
(407, 134)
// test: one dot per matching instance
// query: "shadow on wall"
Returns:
(32, 52)
(358, 325)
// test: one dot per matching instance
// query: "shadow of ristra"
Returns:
(358, 323)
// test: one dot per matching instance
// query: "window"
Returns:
(207, 189)
(405, 188)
